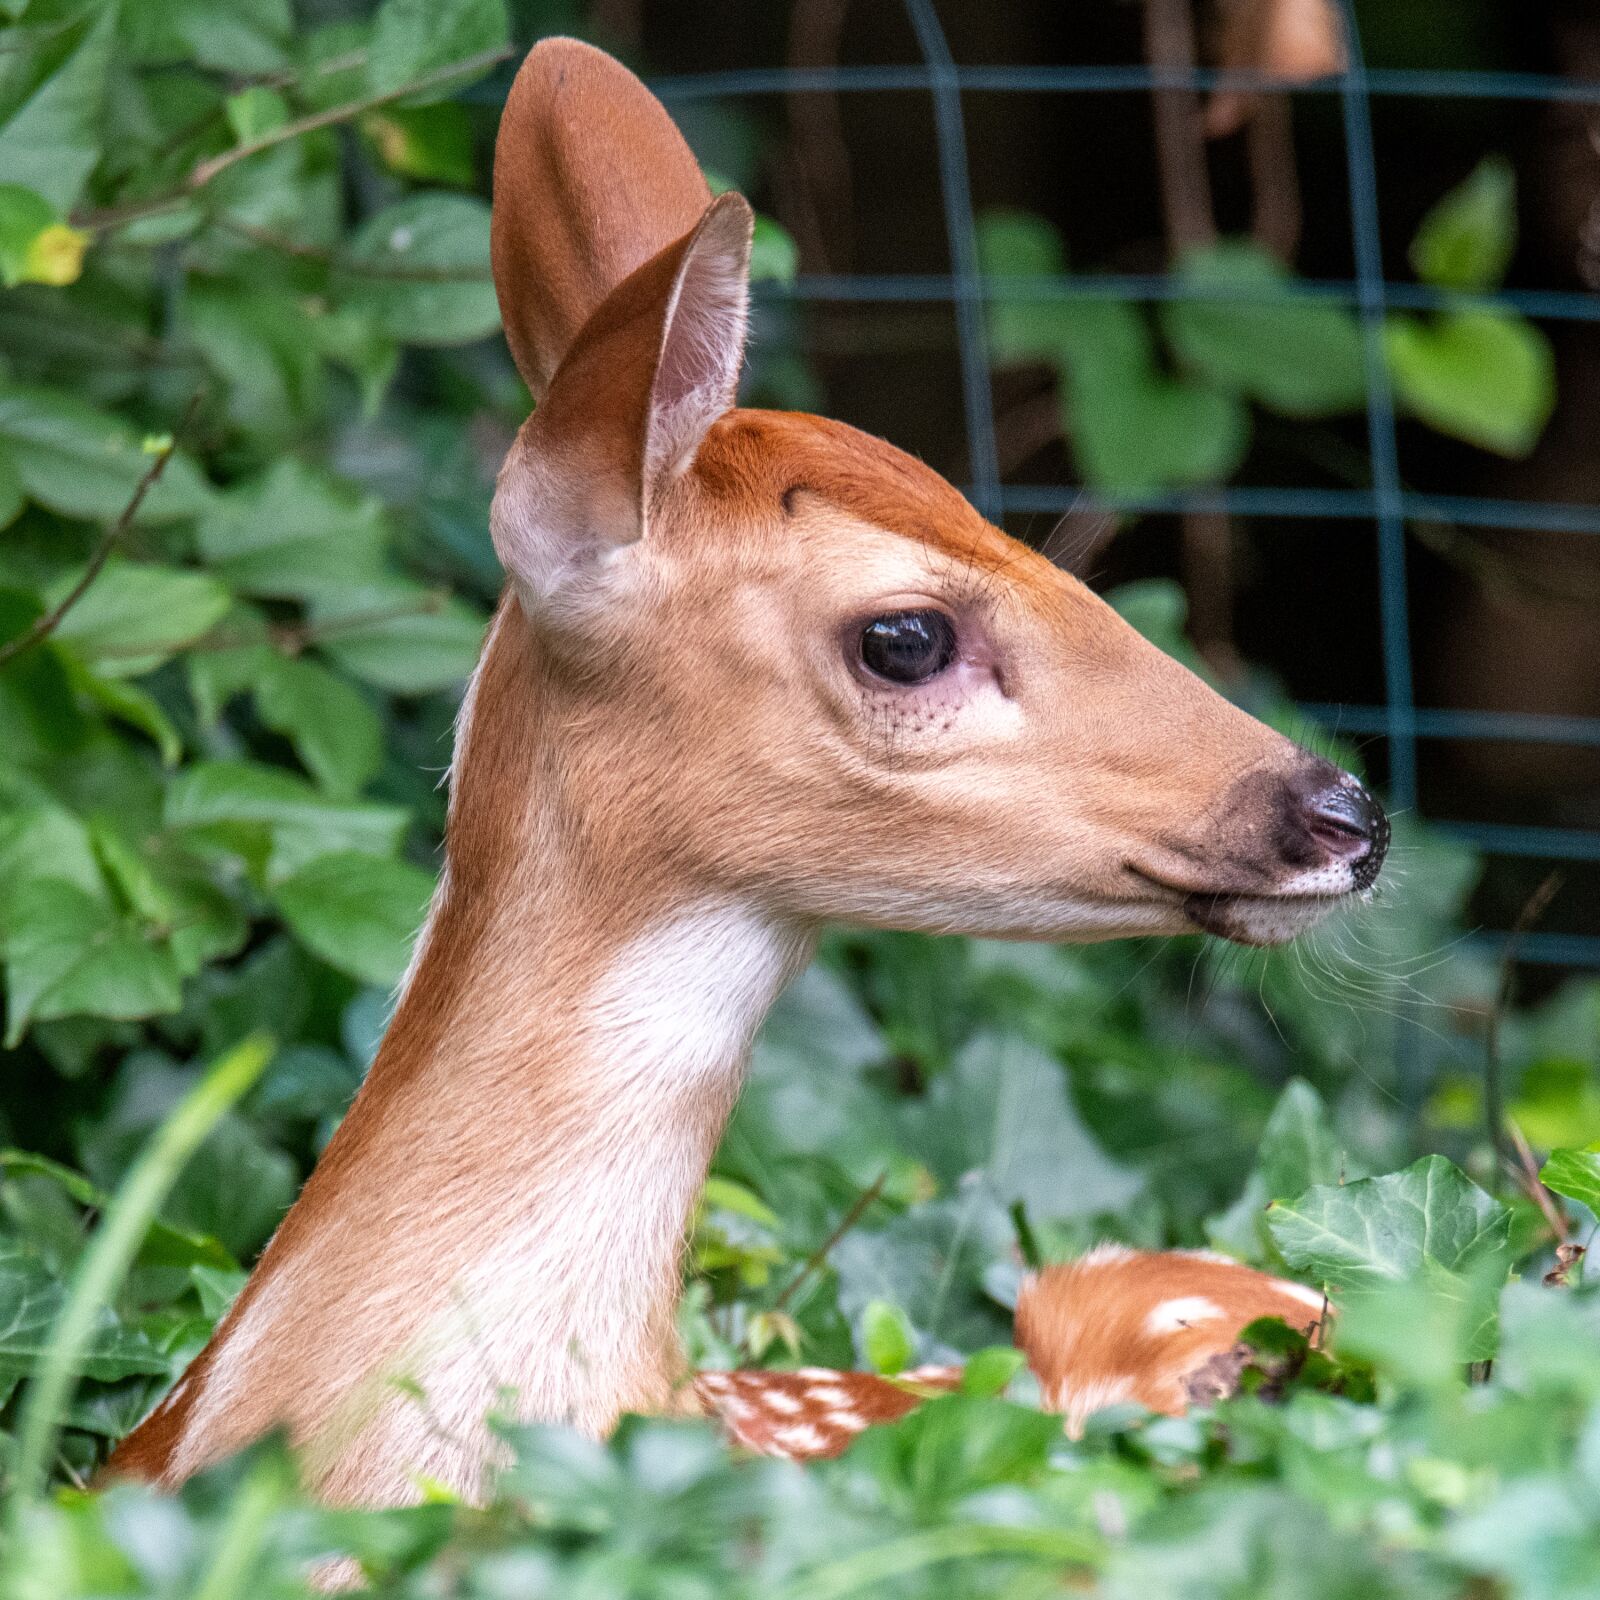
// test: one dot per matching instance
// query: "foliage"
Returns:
(1145, 414)
(219, 817)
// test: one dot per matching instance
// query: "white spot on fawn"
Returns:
(1173, 1316)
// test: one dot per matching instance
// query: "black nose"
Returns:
(1350, 824)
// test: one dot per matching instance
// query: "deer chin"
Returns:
(1263, 920)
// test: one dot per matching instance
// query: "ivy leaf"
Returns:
(358, 913)
(1484, 376)
(69, 954)
(333, 728)
(1382, 1229)
(420, 271)
(1575, 1174)
(164, 1246)
(31, 1297)
(1297, 356)
(83, 463)
(50, 142)
(1298, 1145)
(1466, 241)
(1429, 1223)
(137, 614)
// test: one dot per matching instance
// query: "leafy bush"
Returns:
(224, 705)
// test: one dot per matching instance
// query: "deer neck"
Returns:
(500, 1220)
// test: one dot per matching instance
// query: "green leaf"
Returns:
(237, 37)
(1484, 376)
(1132, 428)
(256, 111)
(886, 1337)
(296, 823)
(431, 143)
(1019, 244)
(989, 1371)
(1466, 241)
(359, 913)
(331, 725)
(128, 704)
(401, 637)
(292, 534)
(1002, 1109)
(1576, 1174)
(773, 253)
(84, 463)
(1297, 356)
(1429, 1222)
(43, 839)
(51, 141)
(137, 614)
(164, 1246)
(1382, 1229)
(36, 246)
(1298, 1146)
(420, 271)
(414, 37)
(31, 1297)
(69, 954)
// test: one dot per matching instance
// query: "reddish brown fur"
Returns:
(1085, 1326)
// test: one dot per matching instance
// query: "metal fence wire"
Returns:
(1385, 505)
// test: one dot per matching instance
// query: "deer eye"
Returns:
(908, 646)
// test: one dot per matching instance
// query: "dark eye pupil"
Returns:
(909, 646)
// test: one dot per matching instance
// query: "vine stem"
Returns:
(44, 626)
(214, 166)
(815, 1260)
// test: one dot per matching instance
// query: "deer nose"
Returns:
(1350, 825)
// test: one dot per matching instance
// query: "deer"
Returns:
(753, 673)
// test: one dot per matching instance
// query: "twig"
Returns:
(51, 620)
(1494, 1112)
(815, 1260)
(215, 166)
(1526, 1171)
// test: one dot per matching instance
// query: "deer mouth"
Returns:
(1263, 920)
(1260, 918)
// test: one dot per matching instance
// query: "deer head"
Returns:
(807, 670)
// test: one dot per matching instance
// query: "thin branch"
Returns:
(815, 1260)
(1526, 1171)
(1494, 1110)
(214, 166)
(44, 626)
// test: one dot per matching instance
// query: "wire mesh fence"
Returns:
(1385, 505)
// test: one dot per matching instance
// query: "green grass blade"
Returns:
(114, 1246)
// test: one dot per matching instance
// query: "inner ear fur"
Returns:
(627, 410)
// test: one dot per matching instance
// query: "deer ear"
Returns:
(627, 409)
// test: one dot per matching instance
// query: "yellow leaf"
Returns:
(55, 255)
